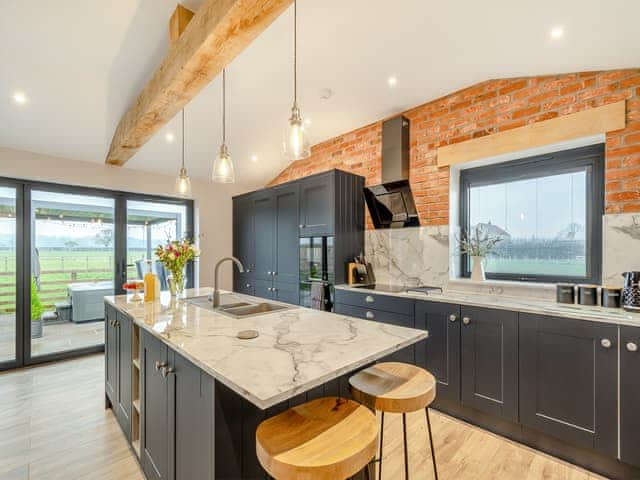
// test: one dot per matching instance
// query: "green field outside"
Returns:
(58, 268)
(534, 266)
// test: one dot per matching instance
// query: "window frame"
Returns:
(590, 159)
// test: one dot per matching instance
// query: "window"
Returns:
(546, 209)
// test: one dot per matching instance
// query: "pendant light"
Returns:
(183, 183)
(296, 138)
(223, 166)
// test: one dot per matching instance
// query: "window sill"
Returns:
(502, 283)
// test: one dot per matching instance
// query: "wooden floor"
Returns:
(53, 425)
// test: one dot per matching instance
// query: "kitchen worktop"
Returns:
(298, 348)
(617, 316)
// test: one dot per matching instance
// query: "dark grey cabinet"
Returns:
(630, 395)
(317, 206)
(118, 366)
(440, 352)
(568, 380)
(263, 217)
(285, 244)
(177, 415)
(111, 354)
(191, 418)
(155, 409)
(123, 395)
(489, 359)
(244, 240)
(406, 355)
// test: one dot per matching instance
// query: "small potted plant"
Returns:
(478, 244)
(175, 255)
(36, 312)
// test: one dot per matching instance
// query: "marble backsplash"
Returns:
(422, 256)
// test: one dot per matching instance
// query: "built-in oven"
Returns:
(317, 275)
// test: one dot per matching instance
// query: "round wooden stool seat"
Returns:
(328, 438)
(394, 387)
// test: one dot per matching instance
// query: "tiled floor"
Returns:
(56, 338)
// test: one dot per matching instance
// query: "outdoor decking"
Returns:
(56, 338)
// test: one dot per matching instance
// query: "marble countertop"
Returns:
(579, 312)
(298, 349)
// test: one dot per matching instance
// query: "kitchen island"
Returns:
(189, 394)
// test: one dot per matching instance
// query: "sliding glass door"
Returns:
(9, 305)
(72, 270)
(62, 250)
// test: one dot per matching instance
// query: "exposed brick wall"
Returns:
(486, 108)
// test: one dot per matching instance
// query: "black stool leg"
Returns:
(381, 442)
(406, 451)
(433, 452)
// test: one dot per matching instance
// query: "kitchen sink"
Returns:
(238, 309)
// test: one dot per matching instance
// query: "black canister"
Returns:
(565, 293)
(610, 297)
(587, 294)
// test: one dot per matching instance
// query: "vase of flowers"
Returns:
(478, 244)
(175, 255)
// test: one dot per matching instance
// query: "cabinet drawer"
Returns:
(375, 315)
(406, 355)
(403, 306)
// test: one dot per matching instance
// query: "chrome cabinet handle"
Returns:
(269, 289)
(632, 347)
(369, 299)
(370, 315)
(160, 364)
(453, 318)
(274, 273)
(605, 342)
(301, 226)
(248, 285)
(116, 323)
(166, 371)
(269, 273)
(466, 320)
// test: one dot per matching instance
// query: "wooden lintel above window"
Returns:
(590, 122)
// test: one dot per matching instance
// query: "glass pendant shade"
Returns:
(296, 138)
(183, 183)
(223, 167)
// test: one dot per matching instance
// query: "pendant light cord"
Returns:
(295, 53)
(224, 105)
(183, 138)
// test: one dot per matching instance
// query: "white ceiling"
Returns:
(81, 63)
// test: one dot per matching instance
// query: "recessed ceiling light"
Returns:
(20, 97)
(392, 81)
(307, 121)
(169, 137)
(254, 158)
(557, 32)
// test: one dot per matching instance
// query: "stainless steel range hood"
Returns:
(391, 203)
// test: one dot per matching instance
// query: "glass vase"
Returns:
(177, 283)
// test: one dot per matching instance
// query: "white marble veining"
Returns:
(616, 316)
(621, 247)
(426, 256)
(409, 256)
(298, 349)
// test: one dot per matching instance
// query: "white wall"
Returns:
(213, 212)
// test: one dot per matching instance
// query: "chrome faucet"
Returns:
(216, 292)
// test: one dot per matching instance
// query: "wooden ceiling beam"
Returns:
(218, 32)
(178, 23)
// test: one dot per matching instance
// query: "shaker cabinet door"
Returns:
(630, 395)
(263, 217)
(155, 410)
(440, 352)
(490, 360)
(286, 247)
(317, 205)
(243, 239)
(568, 380)
(123, 404)
(191, 418)
(111, 354)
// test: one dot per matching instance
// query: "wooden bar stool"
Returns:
(325, 439)
(396, 388)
